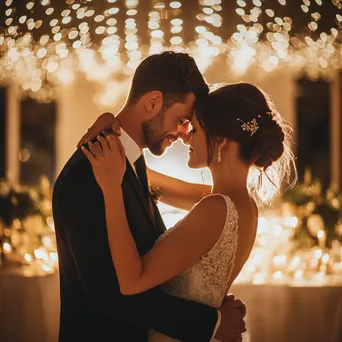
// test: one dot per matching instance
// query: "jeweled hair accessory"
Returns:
(250, 126)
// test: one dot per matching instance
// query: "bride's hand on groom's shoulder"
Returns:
(105, 121)
(108, 160)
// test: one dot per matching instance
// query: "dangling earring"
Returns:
(219, 155)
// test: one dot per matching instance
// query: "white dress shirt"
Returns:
(133, 152)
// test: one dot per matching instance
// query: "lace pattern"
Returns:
(207, 280)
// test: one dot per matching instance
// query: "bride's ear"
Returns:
(222, 142)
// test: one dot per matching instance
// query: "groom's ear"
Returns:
(153, 102)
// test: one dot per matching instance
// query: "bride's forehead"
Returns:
(193, 118)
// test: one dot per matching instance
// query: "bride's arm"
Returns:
(178, 250)
(177, 193)
(195, 235)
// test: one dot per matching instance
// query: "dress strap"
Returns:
(231, 212)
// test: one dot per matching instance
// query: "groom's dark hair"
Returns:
(175, 74)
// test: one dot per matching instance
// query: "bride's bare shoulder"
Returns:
(212, 204)
(210, 212)
(203, 225)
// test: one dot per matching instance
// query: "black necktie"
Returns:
(140, 168)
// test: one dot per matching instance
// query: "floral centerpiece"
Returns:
(319, 213)
(26, 224)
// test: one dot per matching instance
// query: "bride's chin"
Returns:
(192, 164)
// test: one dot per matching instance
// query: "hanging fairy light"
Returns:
(111, 42)
(207, 45)
(248, 48)
(176, 26)
(156, 34)
(244, 39)
(111, 91)
(101, 64)
(281, 47)
(319, 56)
(43, 44)
(132, 41)
(277, 39)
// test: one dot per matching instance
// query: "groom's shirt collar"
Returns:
(132, 150)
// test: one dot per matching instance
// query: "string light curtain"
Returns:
(44, 43)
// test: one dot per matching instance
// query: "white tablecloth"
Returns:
(29, 307)
(29, 310)
(277, 313)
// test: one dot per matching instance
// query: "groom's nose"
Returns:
(183, 132)
(185, 136)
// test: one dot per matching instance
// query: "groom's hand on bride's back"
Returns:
(232, 324)
(240, 304)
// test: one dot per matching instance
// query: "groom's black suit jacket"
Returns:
(92, 307)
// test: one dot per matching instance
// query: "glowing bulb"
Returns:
(175, 4)
(7, 247)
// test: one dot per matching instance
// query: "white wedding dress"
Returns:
(208, 280)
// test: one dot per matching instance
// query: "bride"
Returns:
(239, 135)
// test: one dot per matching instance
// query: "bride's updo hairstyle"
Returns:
(244, 113)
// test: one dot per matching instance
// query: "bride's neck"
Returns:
(229, 181)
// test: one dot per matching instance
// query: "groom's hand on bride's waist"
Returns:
(232, 324)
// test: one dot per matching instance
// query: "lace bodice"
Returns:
(207, 281)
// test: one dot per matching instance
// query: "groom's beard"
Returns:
(152, 133)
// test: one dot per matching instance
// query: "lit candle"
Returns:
(258, 279)
(321, 238)
(7, 248)
(279, 261)
(295, 262)
(298, 275)
(320, 277)
(318, 254)
(325, 258)
(28, 257)
(278, 276)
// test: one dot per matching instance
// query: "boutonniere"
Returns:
(155, 193)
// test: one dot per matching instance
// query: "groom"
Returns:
(159, 105)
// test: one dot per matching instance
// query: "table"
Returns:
(29, 310)
(29, 306)
(281, 313)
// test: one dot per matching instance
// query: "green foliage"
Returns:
(315, 211)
